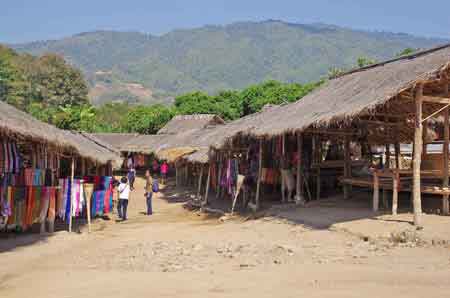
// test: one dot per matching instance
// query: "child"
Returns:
(124, 195)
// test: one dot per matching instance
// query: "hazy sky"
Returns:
(27, 20)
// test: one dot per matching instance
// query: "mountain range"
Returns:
(143, 68)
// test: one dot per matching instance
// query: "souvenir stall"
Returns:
(28, 184)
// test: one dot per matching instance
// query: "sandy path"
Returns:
(178, 253)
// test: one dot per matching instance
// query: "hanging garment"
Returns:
(52, 195)
(45, 203)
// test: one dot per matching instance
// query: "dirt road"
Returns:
(176, 253)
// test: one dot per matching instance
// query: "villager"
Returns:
(155, 166)
(148, 191)
(131, 175)
(124, 195)
(164, 171)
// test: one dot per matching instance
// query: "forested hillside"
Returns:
(140, 68)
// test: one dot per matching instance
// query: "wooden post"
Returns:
(445, 201)
(219, 176)
(397, 155)
(283, 190)
(200, 177)
(299, 186)
(424, 136)
(347, 166)
(83, 167)
(318, 160)
(376, 192)
(387, 165)
(258, 186)
(70, 199)
(417, 158)
(395, 185)
(207, 185)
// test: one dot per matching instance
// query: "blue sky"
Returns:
(27, 20)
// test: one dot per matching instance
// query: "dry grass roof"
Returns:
(116, 140)
(341, 99)
(18, 124)
(181, 123)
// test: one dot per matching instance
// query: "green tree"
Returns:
(147, 119)
(273, 92)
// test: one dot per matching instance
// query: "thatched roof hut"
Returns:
(20, 125)
(182, 123)
(116, 140)
(358, 98)
(146, 144)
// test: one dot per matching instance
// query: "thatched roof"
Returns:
(341, 99)
(146, 144)
(181, 123)
(116, 140)
(18, 124)
(88, 148)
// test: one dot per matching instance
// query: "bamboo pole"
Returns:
(70, 199)
(200, 177)
(299, 182)
(207, 185)
(417, 158)
(318, 159)
(445, 202)
(258, 186)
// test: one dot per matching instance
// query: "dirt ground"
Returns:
(321, 250)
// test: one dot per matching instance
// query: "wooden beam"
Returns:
(435, 99)
(417, 158)
(332, 132)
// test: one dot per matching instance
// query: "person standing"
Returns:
(164, 171)
(131, 172)
(148, 191)
(124, 195)
(155, 167)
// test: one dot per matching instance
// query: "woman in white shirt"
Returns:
(124, 195)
